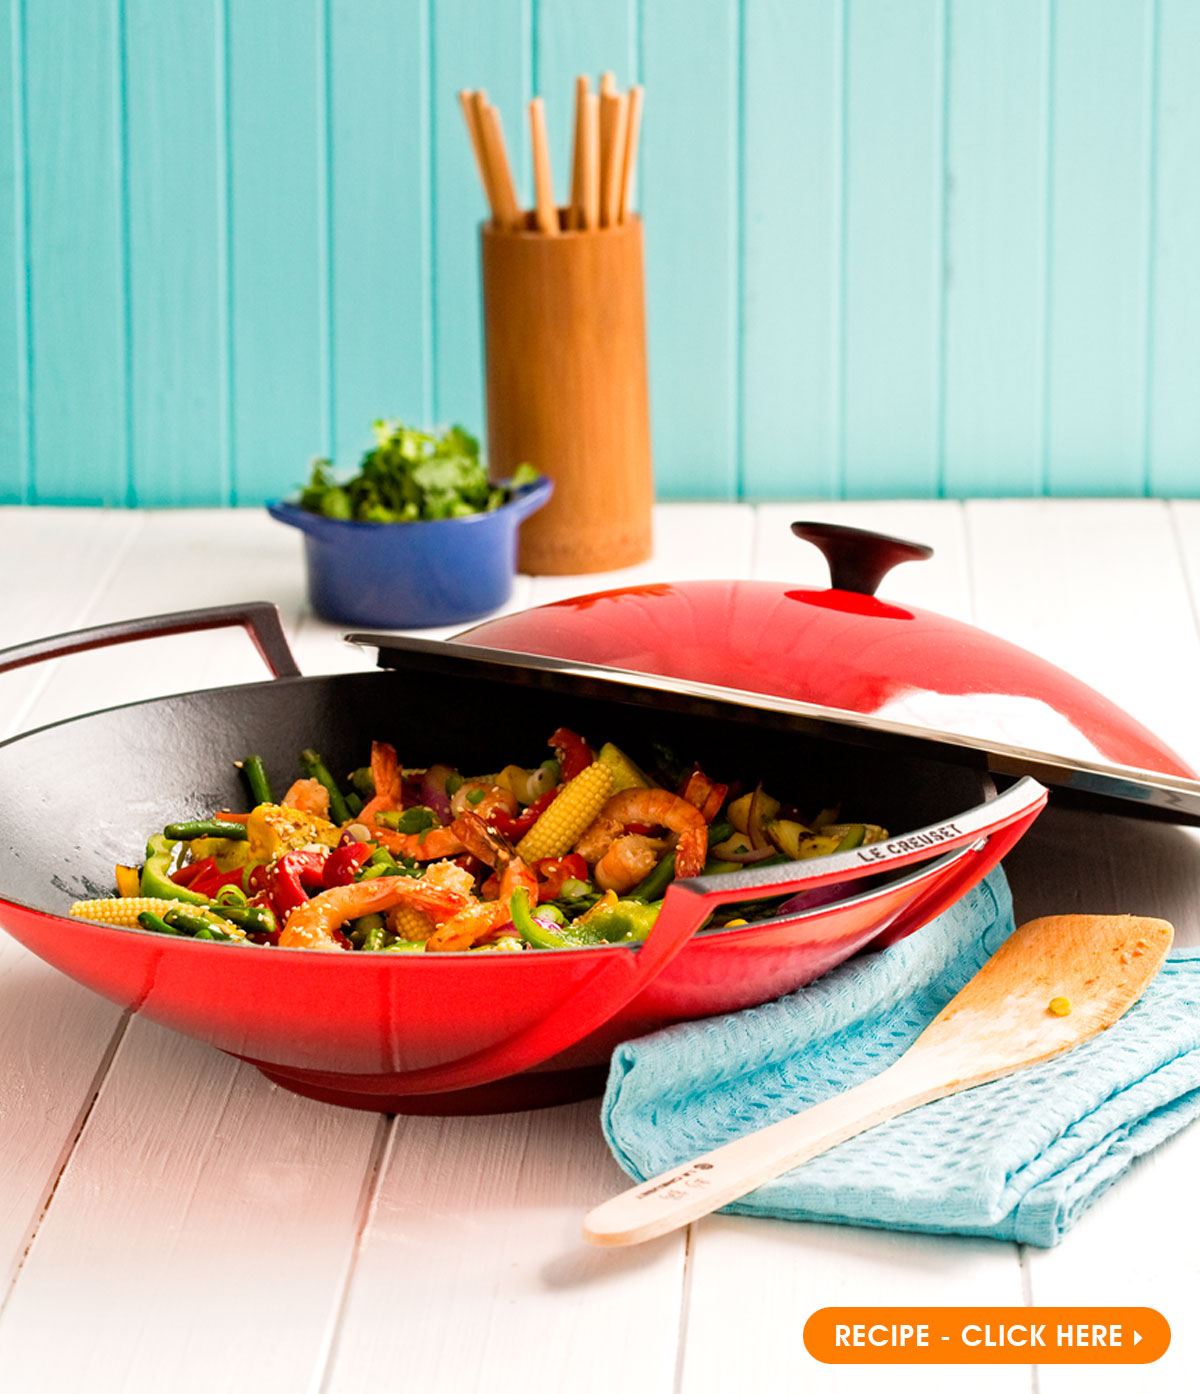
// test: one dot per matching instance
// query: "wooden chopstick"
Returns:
(575, 210)
(607, 130)
(612, 155)
(508, 208)
(467, 101)
(590, 151)
(633, 129)
(545, 212)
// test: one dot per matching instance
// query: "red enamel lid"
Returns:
(847, 649)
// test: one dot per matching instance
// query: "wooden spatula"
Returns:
(1053, 984)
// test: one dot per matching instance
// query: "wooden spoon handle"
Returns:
(696, 1188)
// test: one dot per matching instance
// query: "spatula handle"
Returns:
(696, 1188)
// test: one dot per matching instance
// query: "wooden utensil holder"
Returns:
(565, 345)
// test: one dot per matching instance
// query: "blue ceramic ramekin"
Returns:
(412, 575)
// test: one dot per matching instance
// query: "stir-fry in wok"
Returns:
(574, 852)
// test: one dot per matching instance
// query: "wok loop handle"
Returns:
(259, 618)
(1014, 809)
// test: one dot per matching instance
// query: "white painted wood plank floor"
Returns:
(169, 1220)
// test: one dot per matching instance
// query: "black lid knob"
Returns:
(858, 559)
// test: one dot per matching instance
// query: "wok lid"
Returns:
(845, 661)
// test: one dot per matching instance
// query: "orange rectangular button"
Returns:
(987, 1335)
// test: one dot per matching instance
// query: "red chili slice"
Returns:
(572, 752)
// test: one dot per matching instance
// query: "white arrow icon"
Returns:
(1137, 1336)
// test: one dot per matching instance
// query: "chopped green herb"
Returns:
(411, 476)
(412, 820)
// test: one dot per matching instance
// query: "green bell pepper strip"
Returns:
(205, 827)
(410, 820)
(628, 921)
(156, 874)
(255, 774)
(854, 838)
(533, 931)
(314, 768)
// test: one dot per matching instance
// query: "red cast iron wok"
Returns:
(464, 1032)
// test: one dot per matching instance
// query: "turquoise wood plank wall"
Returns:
(901, 247)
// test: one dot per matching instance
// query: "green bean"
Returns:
(148, 920)
(364, 926)
(197, 927)
(374, 939)
(255, 774)
(205, 827)
(185, 923)
(314, 768)
(258, 919)
(212, 932)
(363, 781)
(654, 885)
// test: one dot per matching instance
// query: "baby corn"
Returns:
(559, 828)
(407, 922)
(124, 911)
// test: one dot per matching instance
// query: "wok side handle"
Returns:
(616, 982)
(259, 618)
(1016, 806)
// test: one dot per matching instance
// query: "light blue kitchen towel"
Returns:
(1018, 1159)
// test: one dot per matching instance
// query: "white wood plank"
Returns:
(55, 562)
(1136, 1248)
(755, 1282)
(182, 560)
(54, 1036)
(199, 1238)
(473, 1276)
(1097, 587)
(1185, 521)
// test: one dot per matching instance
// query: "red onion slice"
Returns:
(433, 791)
